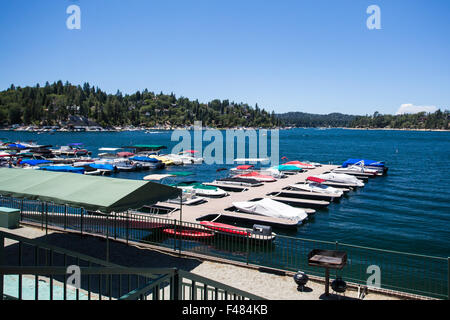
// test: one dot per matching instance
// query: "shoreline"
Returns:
(397, 129)
(245, 128)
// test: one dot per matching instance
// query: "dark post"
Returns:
(448, 278)
(327, 281)
(21, 210)
(46, 218)
(128, 225)
(176, 285)
(42, 216)
(248, 247)
(65, 217)
(115, 225)
(107, 238)
(2, 246)
(175, 230)
(81, 222)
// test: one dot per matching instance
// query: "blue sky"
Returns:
(311, 56)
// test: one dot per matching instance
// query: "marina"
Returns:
(166, 223)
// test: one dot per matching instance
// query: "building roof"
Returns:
(89, 192)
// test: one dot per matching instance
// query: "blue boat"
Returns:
(103, 166)
(33, 162)
(79, 170)
(380, 165)
(148, 163)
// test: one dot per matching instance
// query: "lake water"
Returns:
(406, 210)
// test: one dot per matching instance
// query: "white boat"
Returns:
(271, 208)
(199, 189)
(188, 198)
(317, 187)
(176, 159)
(341, 178)
(121, 164)
(356, 169)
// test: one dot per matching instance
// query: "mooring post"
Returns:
(448, 278)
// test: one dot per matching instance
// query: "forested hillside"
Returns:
(53, 103)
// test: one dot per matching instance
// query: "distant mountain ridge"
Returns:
(303, 119)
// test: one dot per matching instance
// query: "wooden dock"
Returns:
(220, 205)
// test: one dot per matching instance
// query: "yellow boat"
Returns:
(164, 160)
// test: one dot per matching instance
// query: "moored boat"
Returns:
(272, 208)
(188, 233)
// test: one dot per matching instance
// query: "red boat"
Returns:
(225, 228)
(257, 176)
(236, 231)
(188, 233)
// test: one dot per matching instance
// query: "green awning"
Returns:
(89, 192)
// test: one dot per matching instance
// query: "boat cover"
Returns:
(372, 163)
(340, 178)
(244, 167)
(271, 208)
(33, 162)
(102, 166)
(315, 179)
(144, 159)
(63, 169)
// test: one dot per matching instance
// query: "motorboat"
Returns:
(356, 169)
(188, 198)
(317, 186)
(188, 233)
(228, 229)
(63, 168)
(243, 182)
(176, 159)
(341, 178)
(272, 208)
(371, 164)
(200, 189)
(121, 164)
(188, 156)
(288, 169)
(148, 163)
(274, 172)
(165, 160)
(257, 176)
(299, 164)
(72, 149)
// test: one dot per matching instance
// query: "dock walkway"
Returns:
(219, 205)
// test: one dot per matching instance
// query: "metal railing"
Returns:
(404, 272)
(40, 272)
